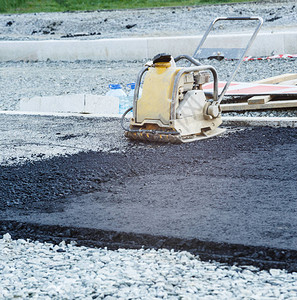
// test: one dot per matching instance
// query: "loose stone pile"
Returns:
(46, 271)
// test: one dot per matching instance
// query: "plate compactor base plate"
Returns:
(174, 139)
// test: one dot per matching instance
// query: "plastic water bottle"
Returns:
(130, 96)
(115, 90)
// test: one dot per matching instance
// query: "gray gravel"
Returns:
(278, 15)
(46, 271)
(29, 79)
(26, 138)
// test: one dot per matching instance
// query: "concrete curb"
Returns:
(59, 114)
(72, 103)
(140, 48)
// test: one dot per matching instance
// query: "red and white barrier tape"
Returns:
(248, 58)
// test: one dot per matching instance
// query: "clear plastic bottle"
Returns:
(130, 95)
(115, 90)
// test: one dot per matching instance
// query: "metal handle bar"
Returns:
(260, 23)
(188, 70)
(229, 19)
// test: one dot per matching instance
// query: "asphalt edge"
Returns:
(261, 257)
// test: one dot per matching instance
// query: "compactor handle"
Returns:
(260, 23)
(244, 51)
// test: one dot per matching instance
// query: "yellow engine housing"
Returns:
(155, 102)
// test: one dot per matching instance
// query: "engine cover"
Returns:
(192, 104)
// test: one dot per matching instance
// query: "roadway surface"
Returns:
(231, 198)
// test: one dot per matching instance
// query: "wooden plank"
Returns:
(278, 79)
(259, 99)
(269, 105)
(289, 82)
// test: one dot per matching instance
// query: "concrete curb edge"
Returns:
(266, 43)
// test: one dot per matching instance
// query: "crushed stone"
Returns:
(35, 270)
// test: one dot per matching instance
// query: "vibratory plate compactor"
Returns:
(173, 107)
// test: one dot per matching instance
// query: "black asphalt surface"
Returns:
(231, 198)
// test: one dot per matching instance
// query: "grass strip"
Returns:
(29, 6)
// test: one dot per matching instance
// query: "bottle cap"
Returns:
(114, 86)
(131, 85)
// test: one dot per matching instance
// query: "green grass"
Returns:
(26, 6)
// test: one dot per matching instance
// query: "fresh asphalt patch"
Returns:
(231, 198)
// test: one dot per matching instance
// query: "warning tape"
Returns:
(248, 58)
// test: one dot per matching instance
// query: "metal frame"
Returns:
(260, 23)
(199, 67)
(188, 70)
(137, 87)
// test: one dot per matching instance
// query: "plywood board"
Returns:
(269, 105)
(259, 99)
(252, 89)
(277, 79)
(289, 82)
